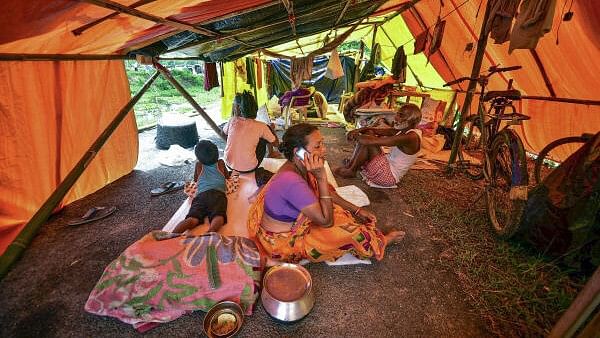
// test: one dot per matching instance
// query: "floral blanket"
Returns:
(161, 277)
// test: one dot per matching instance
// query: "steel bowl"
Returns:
(224, 319)
(287, 293)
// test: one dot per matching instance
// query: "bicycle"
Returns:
(549, 155)
(501, 152)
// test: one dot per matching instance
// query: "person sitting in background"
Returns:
(298, 215)
(247, 138)
(208, 190)
(377, 167)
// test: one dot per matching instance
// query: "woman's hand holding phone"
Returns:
(313, 163)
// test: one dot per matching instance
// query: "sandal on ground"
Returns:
(167, 188)
(93, 214)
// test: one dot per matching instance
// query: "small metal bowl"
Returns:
(224, 319)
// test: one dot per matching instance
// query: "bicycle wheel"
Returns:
(470, 153)
(507, 190)
(548, 161)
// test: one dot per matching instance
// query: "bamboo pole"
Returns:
(61, 57)
(165, 72)
(180, 25)
(481, 43)
(582, 307)
(79, 30)
(18, 246)
(357, 69)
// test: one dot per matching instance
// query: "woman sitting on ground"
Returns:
(378, 167)
(298, 215)
(247, 138)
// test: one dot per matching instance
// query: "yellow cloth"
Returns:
(309, 241)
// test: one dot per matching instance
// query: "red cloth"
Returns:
(258, 73)
(211, 78)
(378, 171)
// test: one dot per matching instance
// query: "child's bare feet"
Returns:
(394, 236)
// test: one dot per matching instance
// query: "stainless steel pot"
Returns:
(287, 293)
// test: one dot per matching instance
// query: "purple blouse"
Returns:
(288, 194)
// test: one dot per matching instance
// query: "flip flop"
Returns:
(167, 188)
(93, 214)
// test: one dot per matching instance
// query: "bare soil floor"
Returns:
(412, 292)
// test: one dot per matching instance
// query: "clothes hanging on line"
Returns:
(211, 77)
(499, 24)
(250, 78)
(533, 21)
(259, 70)
(240, 69)
(399, 65)
(334, 66)
(421, 42)
(300, 70)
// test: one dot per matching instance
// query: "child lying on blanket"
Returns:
(208, 190)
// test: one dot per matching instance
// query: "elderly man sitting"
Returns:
(377, 166)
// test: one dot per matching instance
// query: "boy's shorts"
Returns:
(211, 203)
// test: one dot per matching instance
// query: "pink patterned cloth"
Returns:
(378, 171)
(157, 281)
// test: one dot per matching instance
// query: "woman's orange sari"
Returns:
(314, 242)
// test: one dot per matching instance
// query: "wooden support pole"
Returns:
(582, 307)
(79, 30)
(117, 7)
(375, 36)
(180, 25)
(61, 57)
(18, 246)
(357, 69)
(165, 72)
(481, 44)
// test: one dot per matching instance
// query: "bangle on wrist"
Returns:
(326, 197)
(357, 211)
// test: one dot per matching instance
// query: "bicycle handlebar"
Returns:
(491, 71)
(460, 79)
(503, 69)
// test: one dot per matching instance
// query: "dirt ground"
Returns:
(410, 293)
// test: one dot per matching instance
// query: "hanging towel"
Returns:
(334, 66)
(533, 21)
(240, 69)
(399, 65)
(421, 42)
(250, 78)
(211, 78)
(300, 69)
(259, 70)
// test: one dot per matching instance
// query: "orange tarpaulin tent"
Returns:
(51, 111)
(571, 66)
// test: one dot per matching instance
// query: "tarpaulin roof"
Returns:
(215, 30)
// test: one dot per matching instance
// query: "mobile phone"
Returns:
(300, 153)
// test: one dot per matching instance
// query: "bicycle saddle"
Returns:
(511, 94)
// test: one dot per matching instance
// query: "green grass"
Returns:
(519, 292)
(162, 97)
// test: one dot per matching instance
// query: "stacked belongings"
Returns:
(562, 216)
